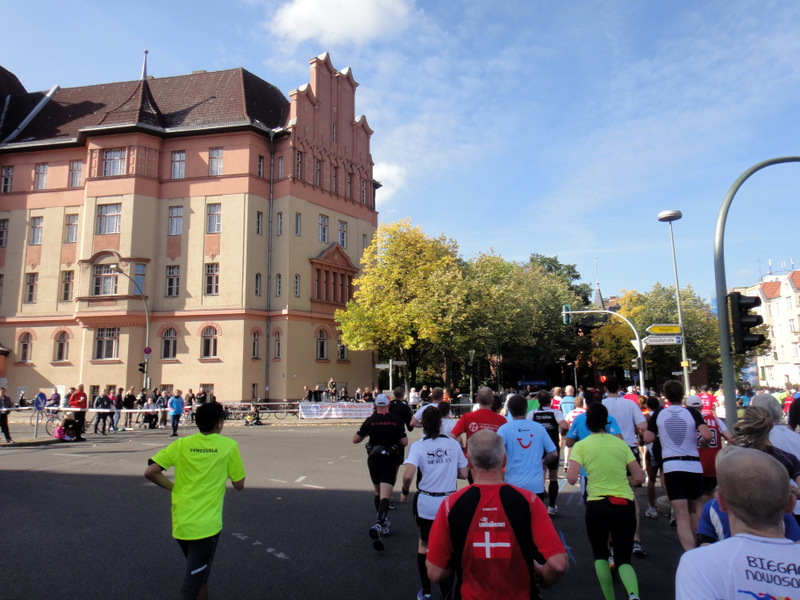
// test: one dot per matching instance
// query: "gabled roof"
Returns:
(234, 97)
(771, 289)
(334, 255)
(795, 277)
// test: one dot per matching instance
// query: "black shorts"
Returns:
(683, 486)
(199, 556)
(709, 485)
(636, 455)
(382, 469)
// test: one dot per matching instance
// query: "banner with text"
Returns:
(336, 410)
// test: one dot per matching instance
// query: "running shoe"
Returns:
(422, 595)
(552, 510)
(651, 513)
(637, 548)
(385, 527)
(375, 535)
(673, 522)
(611, 564)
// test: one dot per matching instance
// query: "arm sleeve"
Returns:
(613, 426)
(458, 430)
(235, 465)
(690, 581)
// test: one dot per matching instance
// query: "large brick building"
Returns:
(206, 209)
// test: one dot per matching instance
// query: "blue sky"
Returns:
(561, 128)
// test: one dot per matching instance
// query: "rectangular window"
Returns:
(277, 345)
(258, 284)
(343, 234)
(323, 228)
(3, 233)
(298, 167)
(792, 326)
(278, 284)
(71, 229)
(280, 167)
(279, 224)
(75, 173)
(1, 287)
(212, 279)
(31, 287)
(363, 191)
(333, 132)
(348, 188)
(36, 231)
(214, 218)
(260, 166)
(317, 172)
(298, 223)
(260, 223)
(173, 281)
(175, 220)
(6, 180)
(215, 161)
(104, 281)
(254, 352)
(40, 178)
(106, 344)
(179, 164)
(297, 286)
(109, 217)
(139, 273)
(334, 175)
(364, 241)
(113, 162)
(67, 282)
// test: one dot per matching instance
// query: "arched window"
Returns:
(25, 347)
(209, 342)
(322, 345)
(169, 343)
(62, 346)
(255, 344)
(277, 345)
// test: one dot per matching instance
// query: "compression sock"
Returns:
(628, 577)
(377, 500)
(423, 573)
(552, 491)
(383, 509)
(605, 578)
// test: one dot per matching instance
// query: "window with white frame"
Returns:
(6, 180)
(792, 327)
(323, 228)
(75, 173)
(104, 281)
(298, 224)
(62, 347)
(215, 161)
(3, 233)
(322, 345)
(789, 302)
(279, 223)
(795, 349)
(113, 162)
(106, 343)
(343, 234)
(175, 220)
(364, 241)
(277, 351)
(209, 349)
(31, 287)
(255, 347)
(40, 177)
(179, 164)
(297, 285)
(25, 347)
(67, 285)
(212, 279)
(258, 284)
(214, 218)
(71, 229)
(173, 281)
(260, 169)
(169, 343)
(278, 284)
(260, 222)
(280, 167)
(298, 166)
(109, 218)
(37, 224)
(139, 275)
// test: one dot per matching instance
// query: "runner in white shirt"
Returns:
(437, 395)
(441, 462)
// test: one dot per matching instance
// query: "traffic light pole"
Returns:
(639, 345)
(145, 378)
(728, 381)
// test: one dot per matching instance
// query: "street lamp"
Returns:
(668, 216)
(471, 360)
(117, 269)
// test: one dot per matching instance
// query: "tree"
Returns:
(404, 300)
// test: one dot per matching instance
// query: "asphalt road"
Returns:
(80, 520)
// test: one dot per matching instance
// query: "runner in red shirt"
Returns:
(79, 401)
(709, 400)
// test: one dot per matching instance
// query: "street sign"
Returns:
(662, 340)
(148, 351)
(382, 366)
(664, 329)
(40, 401)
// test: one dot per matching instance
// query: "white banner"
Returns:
(335, 410)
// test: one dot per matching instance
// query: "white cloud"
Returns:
(392, 177)
(340, 22)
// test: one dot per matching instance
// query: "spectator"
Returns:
(5, 407)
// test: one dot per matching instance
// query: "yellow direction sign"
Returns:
(664, 329)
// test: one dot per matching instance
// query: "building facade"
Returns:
(205, 217)
(780, 309)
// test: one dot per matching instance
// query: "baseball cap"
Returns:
(694, 401)
(382, 400)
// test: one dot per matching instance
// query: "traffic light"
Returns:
(635, 364)
(742, 321)
(566, 318)
(693, 366)
(141, 367)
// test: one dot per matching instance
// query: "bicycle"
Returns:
(51, 419)
(280, 410)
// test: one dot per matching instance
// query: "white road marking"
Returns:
(277, 480)
(300, 479)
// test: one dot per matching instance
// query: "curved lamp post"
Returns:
(117, 269)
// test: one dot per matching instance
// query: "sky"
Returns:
(515, 127)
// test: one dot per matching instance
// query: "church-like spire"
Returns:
(144, 66)
(598, 297)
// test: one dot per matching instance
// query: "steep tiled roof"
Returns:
(795, 277)
(166, 104)
(771, 289)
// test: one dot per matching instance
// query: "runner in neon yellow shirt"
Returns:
(203, 463)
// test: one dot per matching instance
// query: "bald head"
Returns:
(569, 390)
(753, 485)
(485, 396)
(486, 450)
